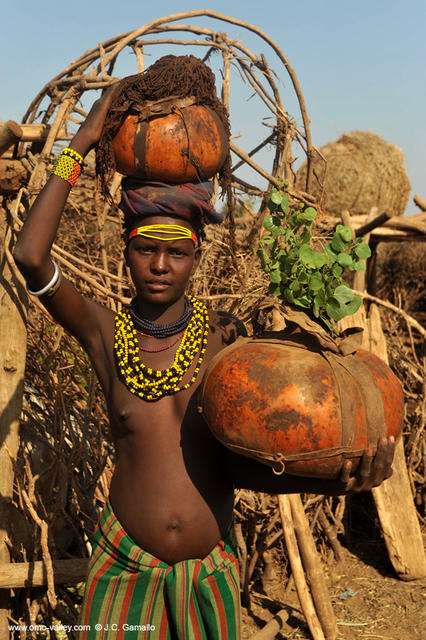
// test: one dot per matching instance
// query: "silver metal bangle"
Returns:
(50, 285)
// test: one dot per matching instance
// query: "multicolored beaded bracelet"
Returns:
(67, 151)
(68, 166)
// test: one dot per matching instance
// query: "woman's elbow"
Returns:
(26, 261)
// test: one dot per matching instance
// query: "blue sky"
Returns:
(361, 65)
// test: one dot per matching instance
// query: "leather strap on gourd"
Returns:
(372, 401)
(163, 107)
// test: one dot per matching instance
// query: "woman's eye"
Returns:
(176, 252)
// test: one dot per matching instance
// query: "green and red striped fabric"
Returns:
(130, 594)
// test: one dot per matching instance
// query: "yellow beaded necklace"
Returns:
(153, 384)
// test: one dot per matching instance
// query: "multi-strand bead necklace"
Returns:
(153, 384)
(155, 330)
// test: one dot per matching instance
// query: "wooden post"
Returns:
(393, 498)
(13, 341)
(313, 568)
(303, 593)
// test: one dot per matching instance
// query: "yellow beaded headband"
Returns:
(174, 231)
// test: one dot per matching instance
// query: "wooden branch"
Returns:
(396, 222)
(213, 14)
(372, 224)
(255, 150)
(273, 627)
(314, 570)
(225, 82)
(244, 156)
(17, 575)
(13, 346)
(10, 134)
(420, 202)
(384, 303)
(382, 234)
(297, 569)
(331, 534)
(360, 277)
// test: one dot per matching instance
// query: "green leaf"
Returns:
(274, 290)
(268, 223)
(344, 232)
(337, 270)
(275, 276)
(276, 196)
(303, 277)
(353, 305)
(359, 266)
(337, 243)
(306, 255)
(319, 259)
(344, 259)
(284, 204)
(329, 251)
(320, 298)
(304, 237)
(295, 287)
(309, 214)
(268, 240)
(335, 310)
(363, 251)
(303, 302)
(343, 294)
(315, 282)
(288, 295)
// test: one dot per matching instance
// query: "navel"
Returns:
(173, 525)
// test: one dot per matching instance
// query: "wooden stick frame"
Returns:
(93, 70)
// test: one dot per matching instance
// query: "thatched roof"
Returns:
(361, 171)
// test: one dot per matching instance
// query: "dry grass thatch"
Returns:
(361, 171)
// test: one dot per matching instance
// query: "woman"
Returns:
(163, 564)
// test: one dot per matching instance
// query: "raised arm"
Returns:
(32, 251)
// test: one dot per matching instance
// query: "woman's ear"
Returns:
(197, 258)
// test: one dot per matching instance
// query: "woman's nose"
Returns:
(159, 262)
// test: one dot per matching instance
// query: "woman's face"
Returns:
(161, 269)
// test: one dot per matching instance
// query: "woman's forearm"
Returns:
(32, 250)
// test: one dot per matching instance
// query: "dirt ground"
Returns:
(369, 601)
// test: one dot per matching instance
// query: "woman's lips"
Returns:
(158, 285)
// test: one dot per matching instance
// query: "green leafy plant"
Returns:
(301, 275)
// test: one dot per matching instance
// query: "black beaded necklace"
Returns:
(161, 330)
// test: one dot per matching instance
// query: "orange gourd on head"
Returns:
(185, 145)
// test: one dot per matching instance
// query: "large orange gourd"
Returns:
(300, 409)
(185, 145)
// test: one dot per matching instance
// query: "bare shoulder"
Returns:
(226, 327)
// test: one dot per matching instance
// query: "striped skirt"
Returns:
(130, 594)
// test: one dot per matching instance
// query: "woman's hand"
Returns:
(372, 470)
(90, 131)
